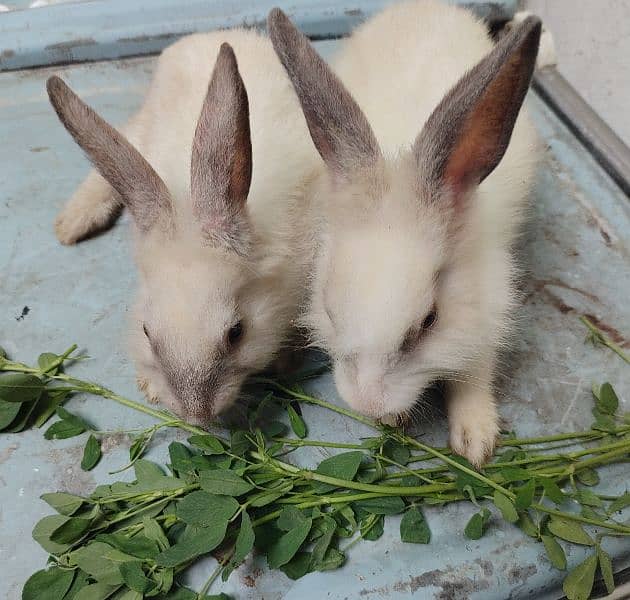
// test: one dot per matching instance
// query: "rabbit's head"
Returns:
(204, 319)
(397, 298)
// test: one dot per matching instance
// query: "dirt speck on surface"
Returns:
(453, 584)
(24, 312)
(521, 574)
(7, 453)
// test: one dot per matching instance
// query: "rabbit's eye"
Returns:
(429, 320)
(235, 333)
(415, 334)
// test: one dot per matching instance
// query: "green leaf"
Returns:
(153, 531)
(70, 531)
(243, 546)
(96, 591)
(506, 506)
(525, 495)
(91, 454)
(224, 483)
(372, 527)
(298, 566)
(290, 517)
(512, 474)
(552, 491)
(605, 566)
(80, 581)
(8, 412)
(180, 457)
(340, 466)
(619, 504)
(195, 542)
(579, 582)
(588, 498)
(69, 426)
(139, 446)
(555, 553)
(92, 559)
(47, 406)
(264, 499)
(414, 528)
(27, 410)
(134, 577)
(50, 584)
(43, 530)
(284, 549)
(397, 452)
(239, 444)
(20, 387)
(328, 526)
(208, 443)
(388, 505)
(569, 531)
(587, 476)
(150, 473)
(526, 525)
(333, 560)
(49, 362)
(297, 422)
(64, 504)
(203, 509)
(607, 403)
(464, 480)
(139, 545)
(476, 525)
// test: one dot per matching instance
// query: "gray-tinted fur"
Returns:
(340, 131)
(486, 99)
(221, 166)
(116, 159)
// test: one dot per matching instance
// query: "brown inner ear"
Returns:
(484, 137)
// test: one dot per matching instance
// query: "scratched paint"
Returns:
(82, 295)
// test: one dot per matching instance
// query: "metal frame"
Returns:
(110, 29)
(598, 138)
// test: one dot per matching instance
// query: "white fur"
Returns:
(381, 245)
(189, 292)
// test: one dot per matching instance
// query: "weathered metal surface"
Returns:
(577, 253)
(105, 29)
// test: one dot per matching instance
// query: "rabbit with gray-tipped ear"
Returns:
(212, 182)
(414, 280)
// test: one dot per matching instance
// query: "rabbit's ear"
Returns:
(468, 133)
(221, 165)
(139, 186)
(340, 130)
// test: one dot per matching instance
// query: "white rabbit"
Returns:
(221, 271)
(414, 279)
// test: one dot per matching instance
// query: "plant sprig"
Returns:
(231, 495)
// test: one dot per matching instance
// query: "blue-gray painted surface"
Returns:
(106, 29)
(576, 250)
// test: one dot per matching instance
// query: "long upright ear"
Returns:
(221, 164)
(139, 186)
(340, 131)
(468, 133)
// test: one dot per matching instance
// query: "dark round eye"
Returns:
(235, 333)
(429, 320)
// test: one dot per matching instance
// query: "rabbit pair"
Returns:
(410, 257)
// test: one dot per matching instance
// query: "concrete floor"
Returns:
(592, 39)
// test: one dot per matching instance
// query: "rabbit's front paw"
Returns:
(473, 425)
(151, 391)
(83, 217)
